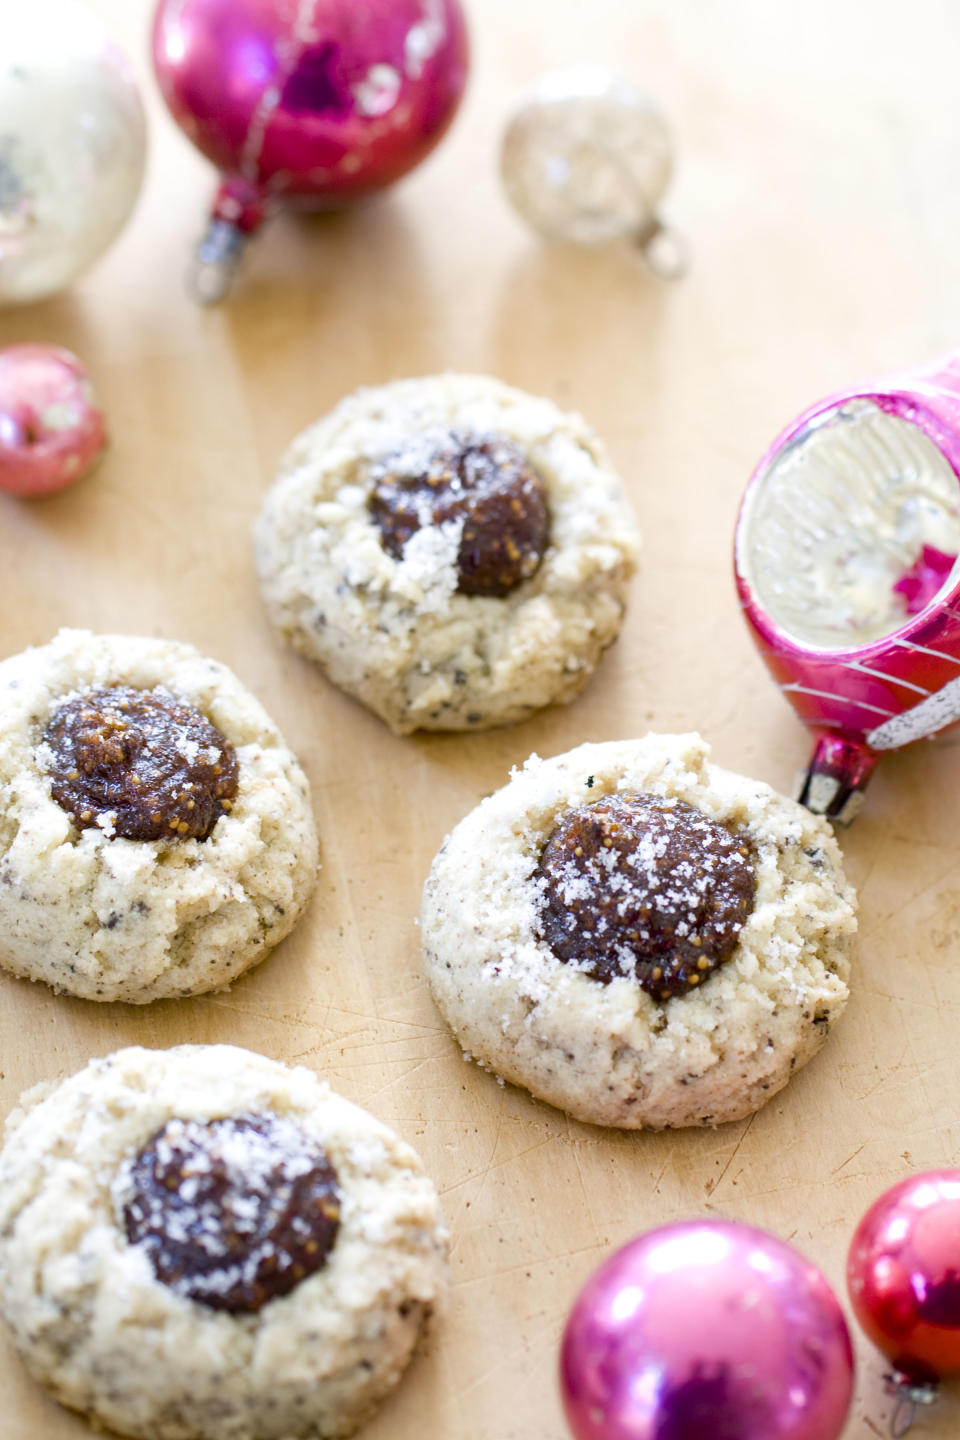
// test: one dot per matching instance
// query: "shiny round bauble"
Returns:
(586, 159)
(72, 145)
(51, 431)
(315, 103)
(903, 1274)
(706, 1329)
(847, 558)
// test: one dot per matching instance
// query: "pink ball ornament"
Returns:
(314, 104)
(51, 431)
(706, 1328)
(903, 1273)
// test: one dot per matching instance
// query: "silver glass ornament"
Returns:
(586, 160)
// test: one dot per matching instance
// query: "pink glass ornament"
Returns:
(847, 568)
(903, 1273)
(706, 1329)
(51, 432)
(307, 102)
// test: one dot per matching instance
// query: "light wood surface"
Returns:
(819, 184)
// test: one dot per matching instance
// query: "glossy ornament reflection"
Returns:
(586, 160)
(315, 104)
(51, 430)
(903, 1274)
(706, 1328)
(72, 146)
(848, 570)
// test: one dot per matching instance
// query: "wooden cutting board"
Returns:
(818, 184)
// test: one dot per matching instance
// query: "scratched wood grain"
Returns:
(820, 155)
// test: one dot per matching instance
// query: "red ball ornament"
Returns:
(51, 431)
(903, 1274)
(306, 102)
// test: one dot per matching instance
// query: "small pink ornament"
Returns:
(903, 1273)
(706, 1329)
(847, 567)
(315, 103)
(51, 431)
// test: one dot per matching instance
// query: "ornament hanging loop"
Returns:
(215, 262)
(904, 1414)
(665, 251)
(908, 1393)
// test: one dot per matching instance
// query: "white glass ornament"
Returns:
(72, 145)
(586, 159)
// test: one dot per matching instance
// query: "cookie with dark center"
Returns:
(483, 480)
(235, 1212)
(641, 886)
(152, 763)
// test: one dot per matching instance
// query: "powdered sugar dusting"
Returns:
(646, 887)
(233, 1212)
(482, 481)
(429, 565)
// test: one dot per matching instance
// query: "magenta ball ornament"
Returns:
(314, 103)
(706, 1329)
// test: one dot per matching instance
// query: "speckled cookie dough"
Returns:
(166, 1358)
(453, 552)
(156, 836)
(713, 969)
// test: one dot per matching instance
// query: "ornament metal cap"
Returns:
(846, 561)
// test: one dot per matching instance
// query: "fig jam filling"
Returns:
(483, 481)
(140, 764)
(235, 1212)
(645, 887)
